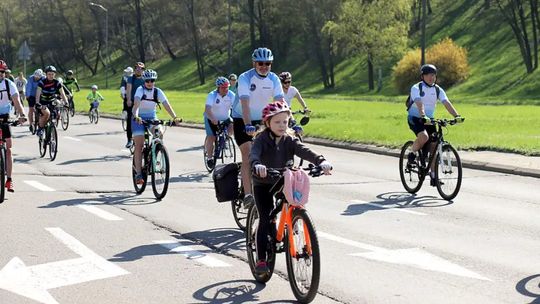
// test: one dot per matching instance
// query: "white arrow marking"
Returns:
(396, 208)
(39, 186)
(100, 212)
(34, 281)
(414, 257)
(192, 254)
(72, 138)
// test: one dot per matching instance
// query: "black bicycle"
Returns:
(155, 159)
(50, 135)
(62, 116)
(224, 147)
(444, 160)
(3, 159)
(292, 124)
(294, 234)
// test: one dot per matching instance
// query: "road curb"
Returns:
(471, 164)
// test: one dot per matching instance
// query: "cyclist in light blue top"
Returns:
(256, 88)
(147, 97)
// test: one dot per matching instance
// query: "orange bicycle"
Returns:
(295, 235)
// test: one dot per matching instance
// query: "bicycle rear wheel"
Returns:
(53, 142)
(2, 177)
(448, 173)
(205, 158)
(304, 264)
(91, 116)
(160, 171)
(65, 119)
(124, 122)
(411, 175)
(251, 247)
(229, 151)
(139, 188)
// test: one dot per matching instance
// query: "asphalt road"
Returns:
(75, 232)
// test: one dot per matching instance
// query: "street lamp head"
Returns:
(97, 5)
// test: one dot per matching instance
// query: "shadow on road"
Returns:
(190, 177)
(233, 292)
(193, 148)
(224, 239)
(530, 287)
(396, 200)
(102, 133)
(106, 158)
(104, 199)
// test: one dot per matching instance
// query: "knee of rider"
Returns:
(423, 137)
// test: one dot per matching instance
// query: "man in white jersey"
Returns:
(8, 94)
(424, 96)
(217, 109)
(147, 97)
(256, 88)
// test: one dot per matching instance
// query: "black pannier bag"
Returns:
(226, 181)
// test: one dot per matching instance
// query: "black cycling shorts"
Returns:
(6, 129)
(417, 125)
(31, 101)
(240, 135)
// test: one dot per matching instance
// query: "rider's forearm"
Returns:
(246, 113)
(450, 108)
(170, 110)
(420, 107)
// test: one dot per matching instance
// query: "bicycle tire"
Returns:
(2, 176)
(251, 247)
(65, 119)
(205, 158)
(96, 118)
(304, 294)
(124, 122)
(447, 185)
(157, 164)
(53, 142)
(240, 213)
(139, 188)
(412, 177)
(42, 146)
(72, 110)
(56, 117)
(91, 116)
(229, 150)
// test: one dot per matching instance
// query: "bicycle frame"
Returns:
(438, 148)
(221, 137)
(285, 222)
(150, 142)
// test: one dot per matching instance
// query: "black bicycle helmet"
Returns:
(428, 69)
(50, 68)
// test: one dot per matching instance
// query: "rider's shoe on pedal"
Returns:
(139, 179)
(31, 128)
(9, 185)
(411, 158)
(262, 268)
(129, 144)
(210, 163)
(249, 201)
(40, 132)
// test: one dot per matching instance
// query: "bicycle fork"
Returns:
(285, 222)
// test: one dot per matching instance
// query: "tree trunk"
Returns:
(534, 17)
(371, 82)
(140, 37)
(528, 55)
(196, 45)
(251, 8)
(167, 46)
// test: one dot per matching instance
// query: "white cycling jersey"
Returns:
(428, 98)
(147, 107)
(258, 90)
(220, 106)
(5, 103)
(289, 95)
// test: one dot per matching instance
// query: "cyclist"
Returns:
(132, 84)
(217, 109)
(234, 84)
(256, 88)
(274, 147)
(46, 92)
(21, 82)
(424, 96)
(291, 91)
(94, 98)
(31, 88)
(147, 97)
(8, 94)
(70, 81)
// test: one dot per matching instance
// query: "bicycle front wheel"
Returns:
(205, 157)
(251, 247)
(42, 146)
(229, 151)
(160, 171)
(303, 257)
(96, 116)
(65, 119)
(448, 172)
(411, 174)
(53, 142)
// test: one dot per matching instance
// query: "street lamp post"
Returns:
(106, 41)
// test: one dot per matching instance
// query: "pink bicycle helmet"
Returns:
(274, 108)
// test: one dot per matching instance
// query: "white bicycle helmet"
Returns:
(94, 87)
(149, 75)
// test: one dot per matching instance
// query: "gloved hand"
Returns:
(459, 119)
(260, 170)
(138, 119)
(425, 119)
(298, 129)
(326, 167)
(250, 129)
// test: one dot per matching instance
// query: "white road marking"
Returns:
(34, 281)
(414, 257)
(39, 186)
(72, 138)
(126, 150)
(100, 212)
(396, 208)
(191, 253)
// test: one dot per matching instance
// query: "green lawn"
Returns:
(511, 128)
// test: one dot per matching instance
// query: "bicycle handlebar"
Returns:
(312, 170)
(444, 122)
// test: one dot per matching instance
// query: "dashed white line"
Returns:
(394, 207)
(100, 212)
(39, 186)
(72, 138)
(192, 254)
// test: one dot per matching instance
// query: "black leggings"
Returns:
(128, 119)
(265, 203)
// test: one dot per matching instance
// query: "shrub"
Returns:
(449, 58)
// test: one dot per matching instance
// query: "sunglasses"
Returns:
(287, 82)
(264, 63)
(150, 80)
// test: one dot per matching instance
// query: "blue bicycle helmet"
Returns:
(262, 54)
(222, 82)
(149, 75)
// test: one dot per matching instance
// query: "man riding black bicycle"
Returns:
(421, 109)
(46, 93)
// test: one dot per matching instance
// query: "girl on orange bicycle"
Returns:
(274, 147)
